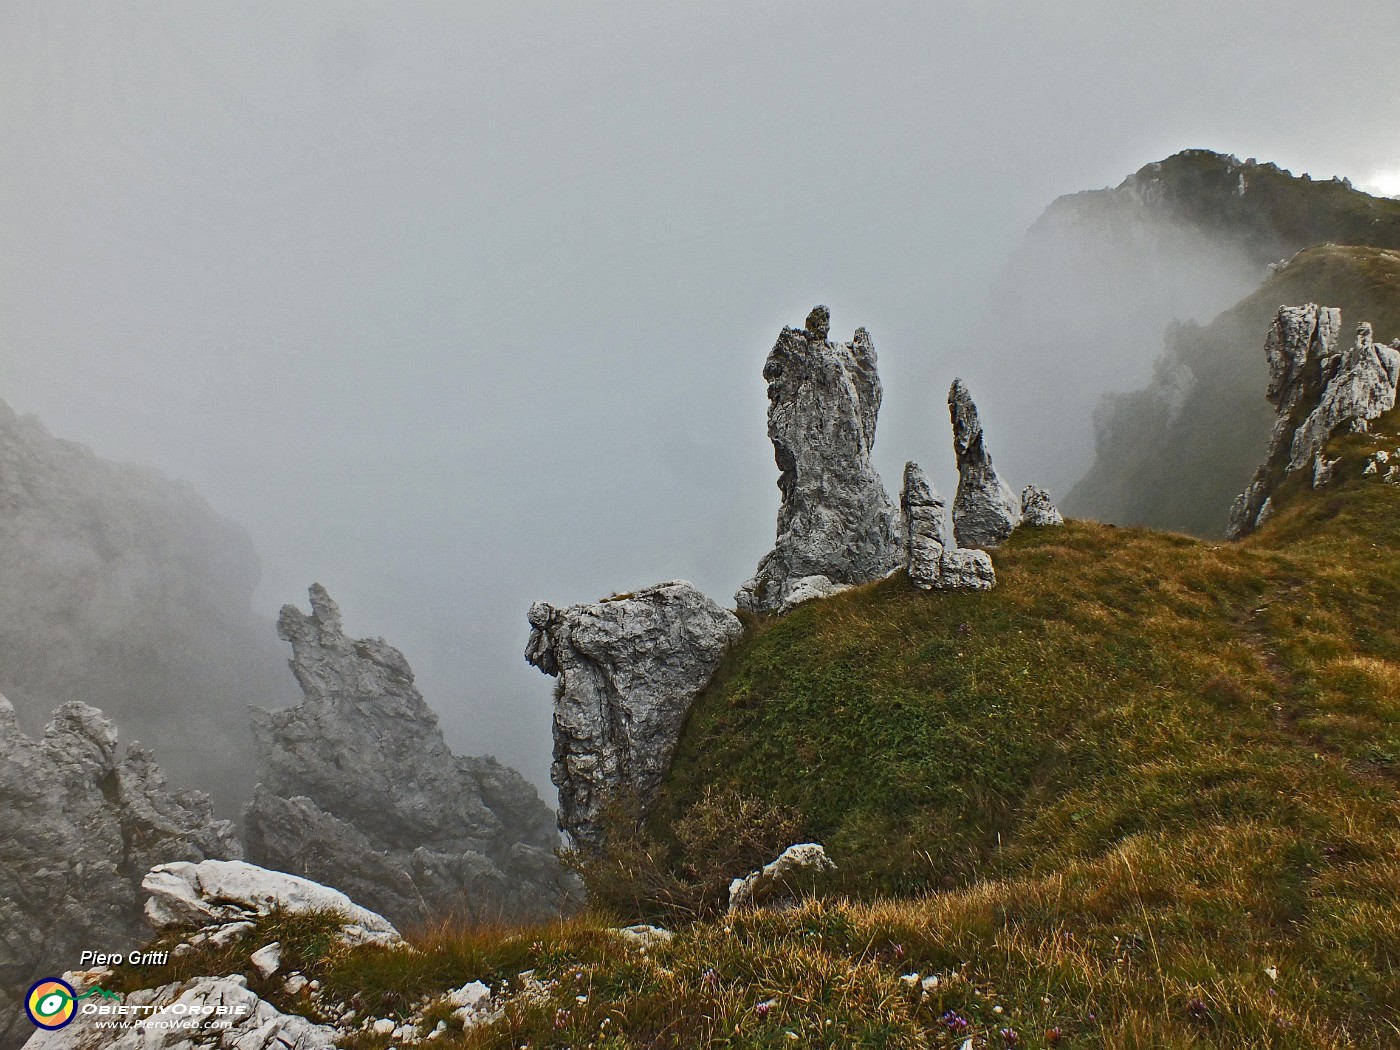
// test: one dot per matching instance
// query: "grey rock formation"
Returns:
(925, 526)
(1359, 386)
(358, 790)
(1323, 470)
(1037, 508)
(1331, 391)
(80, 826)
(809, 587)
(966, 570)
(780, 881)
(122, 587)
(214, 893)
(629, 668)
(932, 560)
(836, 519)
(985, 510)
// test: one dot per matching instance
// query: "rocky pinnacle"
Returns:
(836, 525)
(359, 790)
(985, 510)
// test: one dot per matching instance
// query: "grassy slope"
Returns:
(1184, 473)
(1146, 793)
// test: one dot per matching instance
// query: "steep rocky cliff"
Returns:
(358, 790)
(121, 587)
(81, 824)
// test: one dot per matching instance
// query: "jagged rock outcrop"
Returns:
(1037, 509)
(836, 520)
(1317, 391)
(358, 790)
(122, 587)
(1360, 386)
(80, 825)
(985, 510)
(629, 668)
(933, 562)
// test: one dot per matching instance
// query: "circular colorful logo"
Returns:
(50, 1003)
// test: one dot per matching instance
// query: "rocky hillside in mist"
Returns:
(1021, 783)
(1174, 454)
(1084, 305)
(123, 589)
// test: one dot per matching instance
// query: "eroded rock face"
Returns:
(80, 825)
(985, 510)
(359, 790)
(1332, 391)
(836, 520)
(629, 668)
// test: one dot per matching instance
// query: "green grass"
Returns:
(1145, 793)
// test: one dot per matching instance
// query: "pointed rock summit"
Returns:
(985, 510)
(1332, 391)
(836, 526)
(359, 790)
(629, 667)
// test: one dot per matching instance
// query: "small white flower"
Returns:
(909, 979)
(1272, 972)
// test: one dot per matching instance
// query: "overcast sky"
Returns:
(456, 306)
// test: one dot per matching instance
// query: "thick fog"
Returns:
(458, 306)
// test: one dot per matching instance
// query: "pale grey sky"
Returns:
(459, 305)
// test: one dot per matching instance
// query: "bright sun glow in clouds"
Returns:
(1383, 183)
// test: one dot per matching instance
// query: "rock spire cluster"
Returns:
(629, 667)
(933, 560)
(1317, 391)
